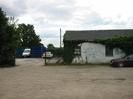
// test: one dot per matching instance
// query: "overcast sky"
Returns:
(48, 16)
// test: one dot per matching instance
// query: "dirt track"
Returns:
(31, 80)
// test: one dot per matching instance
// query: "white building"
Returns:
(86, 51)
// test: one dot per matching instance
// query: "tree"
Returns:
(27, 35)
(12, 21)
(8, 41)
(50, 47)
(57, 52)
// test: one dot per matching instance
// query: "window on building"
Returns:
(109, 51)
(77, 51)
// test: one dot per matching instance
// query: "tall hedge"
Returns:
(7, 41)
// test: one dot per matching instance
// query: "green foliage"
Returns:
(27, 35)
(3, 19)
(69, 48)
(57, 52)
(8, 41)
(125, 43)
(50, 47)
(68, 52)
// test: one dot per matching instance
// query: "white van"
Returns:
(26, 52)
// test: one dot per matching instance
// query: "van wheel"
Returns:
(120, 64)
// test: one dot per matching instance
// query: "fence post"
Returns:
(45, 58)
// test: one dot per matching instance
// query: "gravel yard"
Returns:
(30, 79)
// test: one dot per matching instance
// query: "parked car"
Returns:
(121, 62)
(26, 52)
(48, 55)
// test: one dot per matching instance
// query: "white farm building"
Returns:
(87, 51)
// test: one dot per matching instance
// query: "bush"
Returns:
(57, 52)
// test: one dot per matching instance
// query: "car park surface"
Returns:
(30, 79)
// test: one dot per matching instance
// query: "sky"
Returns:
(48, 16)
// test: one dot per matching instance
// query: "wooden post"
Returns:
(45, 58)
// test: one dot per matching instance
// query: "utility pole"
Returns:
(60, 37)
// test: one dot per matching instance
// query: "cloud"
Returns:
(14, 8)
(48, 16)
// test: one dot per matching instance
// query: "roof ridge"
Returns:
(91, 35)
(100, 30)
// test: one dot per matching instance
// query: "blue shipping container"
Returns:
(36, 51)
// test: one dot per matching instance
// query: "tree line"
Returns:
(12, 36)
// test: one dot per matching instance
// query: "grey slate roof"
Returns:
(91, 35)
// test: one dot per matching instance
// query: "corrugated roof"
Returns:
(91, 35)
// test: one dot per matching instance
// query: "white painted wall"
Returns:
(95, 53)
